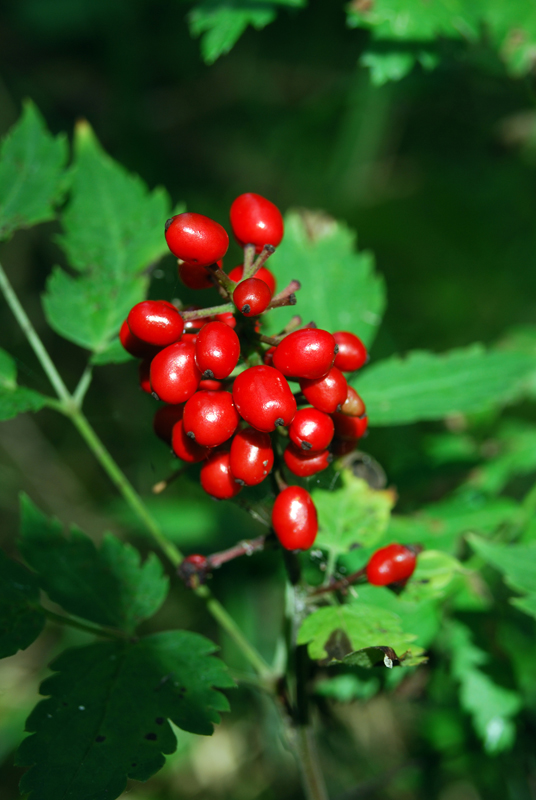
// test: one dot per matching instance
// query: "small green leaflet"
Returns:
(358, 634)
(108, 586)
(15, 399)
(490, 706)
(321, 253)
(391, 63)
(221, 23)
(511, 27)
(21, 617)
(32, 176)
(426, 386)
(113, 232)
(105, 719)
(517, 562)
(352, 514)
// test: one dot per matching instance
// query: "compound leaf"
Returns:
(32, 176)
(21, 616)
(105, 718)
(108, 586)
(15, 399)
(113, 232)
(321, 253)
(426, 386)
(352, 514)
(358, 634)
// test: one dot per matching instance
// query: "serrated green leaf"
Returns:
(221, 23)
(426, 386)
(433, 576)
(32, 176)
(355, 634)
(340, 290)
(418, 615)
(490, 706)
(352, 514)
(15, 399)
(21, 616)
(113, 231)
(105, 719)
(108, 586)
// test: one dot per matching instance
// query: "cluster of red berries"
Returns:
(224, 413)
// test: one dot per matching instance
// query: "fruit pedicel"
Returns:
(229, 389)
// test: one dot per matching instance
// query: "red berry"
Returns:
(252, 297)
(174, 373)
(228, 317)
(311, 430)
(262, 274)
(164, 420)
(353, 406)
(349, 428)
(195, 325)
(197, 560)
(303, 463)
(210, 385)
(268, 357)
(307, 353)
(352, 352)
(340, 448)
(294, 518)
(185, 448)
(155, 322)
(327, 393)
(263, 398)
(210, 418)
(195, 277)
(144, 375)
(217, 350)
(252, 457)
(135, 346)
(257, 221)
(196, 239)
(189, 337)
(391, 564)
(217, 478)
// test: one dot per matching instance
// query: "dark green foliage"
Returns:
(15, 399)
(106, 716)
(21, 618)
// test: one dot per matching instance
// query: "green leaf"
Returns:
(105, 719)
(21, 616)
(433, 575)
(515, 446)
(113, 232)
(392, 65)
(15, 399)
(420, 615)
(490, 706)
(348, 687)
(108, 586)
(517, 563)
(426, 386)
(221, 23)
(32, 177)
(320, 252)
(352, 514)
(358, 634)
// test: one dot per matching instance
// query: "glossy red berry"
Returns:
(294, 518)
(262, 274)
(196, 239)
(210, 418)
(255, 220)
(252, 457)
(164, 420)
(352, 352)
(391, 564)
(268, 357)
(210, 385)
(327, 393)
(263, 398)
(303, 463)
(228, 317)
(155, 322)
(194, 276)
(311, 430)
(307, 353)
(353, 406)
(217, 350)
(135, 346)
(217, 478)
(185, 448)
(174, 373)
(252, 297)
(144, 369)
(349, 429)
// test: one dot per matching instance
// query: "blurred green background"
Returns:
(437, 175)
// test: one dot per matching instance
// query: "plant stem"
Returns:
(207, 312)
(96, 630)
(313, 780)
(83, 385)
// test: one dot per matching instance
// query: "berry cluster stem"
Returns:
(207, 312)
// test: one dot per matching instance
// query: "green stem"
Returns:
(96, 630)
(313, 780)
(83, 385)
(207, 312)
